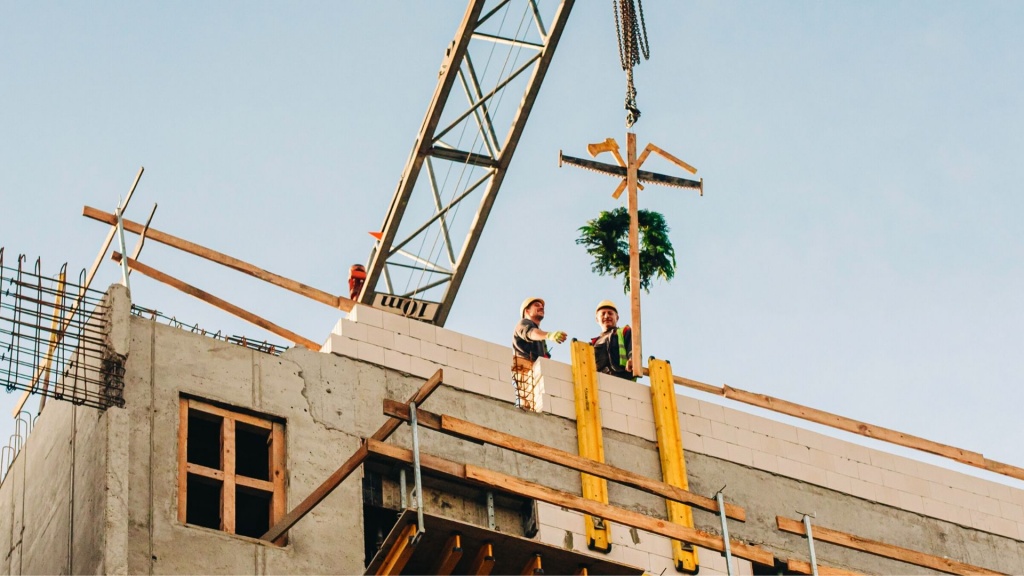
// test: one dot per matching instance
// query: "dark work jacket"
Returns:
(606, 352)
(523, 347)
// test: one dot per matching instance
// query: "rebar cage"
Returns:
(53, 338)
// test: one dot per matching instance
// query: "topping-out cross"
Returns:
(629, 171)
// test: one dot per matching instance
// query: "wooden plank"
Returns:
(219, 303)
(533, 566)
(634, 254)
(227, 461)
(1007, 469)
(483, 563)
(801, 567)
(278, 467)
(477, 433)
(853, 426)
(488, 478)
(206, 472)
(350, 465)
(182, 459)
(422, 394)
(877, 548)
(317, 495)
(400, 553)
(450, 555)
(629, 518)
(339, 302)
(256, 484)
(850, 425)
(218, 411)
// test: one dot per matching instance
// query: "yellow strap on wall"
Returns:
(673, 464)
(588, 430)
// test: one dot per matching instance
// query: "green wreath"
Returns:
(607, 240)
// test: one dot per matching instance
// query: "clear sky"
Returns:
(855, 249)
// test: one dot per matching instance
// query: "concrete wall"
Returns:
(54, 501)
(127, 460)
(771, 468)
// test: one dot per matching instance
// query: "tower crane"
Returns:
(460, 158)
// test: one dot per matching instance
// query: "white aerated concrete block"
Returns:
(395, 323)
(407, 345)
(366, 315)
(448, 339)
(350, 329)
(340, 345)
(474, 346)
(422, 331)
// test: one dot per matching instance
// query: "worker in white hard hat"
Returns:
(528, 340)
(613, 349)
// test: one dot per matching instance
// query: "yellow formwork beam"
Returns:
(588, 431)
(673, 464)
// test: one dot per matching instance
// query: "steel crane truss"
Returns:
(498, 59)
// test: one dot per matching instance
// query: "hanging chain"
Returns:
(631, 32)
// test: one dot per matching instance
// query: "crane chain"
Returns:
(631, 33)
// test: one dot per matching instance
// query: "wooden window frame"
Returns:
(226, 476)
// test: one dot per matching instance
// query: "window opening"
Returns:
(231, 469)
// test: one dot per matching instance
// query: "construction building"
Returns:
(217, 442)
(397, 446)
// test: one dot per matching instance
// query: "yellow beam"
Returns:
(588, 431)
(484, 561)
(673, 464)
(400, 553)
(533, 566)
(450, 555)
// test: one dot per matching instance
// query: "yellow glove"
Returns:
(556, 336)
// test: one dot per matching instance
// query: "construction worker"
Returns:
(613, 349)
(529, 344)
(528, 340)
(356, 277)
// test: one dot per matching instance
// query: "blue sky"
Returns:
(858, 247)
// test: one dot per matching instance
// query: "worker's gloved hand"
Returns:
(556, 336)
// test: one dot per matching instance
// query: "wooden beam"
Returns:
(629, 518)
(205, 471)
(483, 563)
(850, 425)
(877, 548)
(853, 426)
(634, 254)
(450, 556)
(278, 474)
(219, 303)
(496, 480)
(476, 433)
(400, 553)
(339, 302)
(257, 484)
(533, 566)
(227, 462)
(350, 465)
(182, 460)
(218, 411)
(422, 394)
(801, 567)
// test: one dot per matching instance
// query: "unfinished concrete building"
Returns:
(229, 460)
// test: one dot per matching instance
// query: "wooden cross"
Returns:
(629, 171)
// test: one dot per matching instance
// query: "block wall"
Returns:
(708, 428)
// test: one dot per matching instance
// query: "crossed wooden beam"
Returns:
(631, 176)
